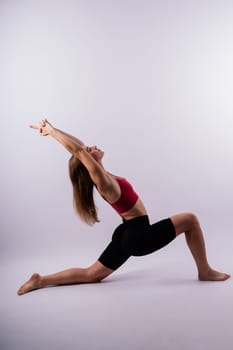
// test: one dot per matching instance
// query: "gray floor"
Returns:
(154, 302)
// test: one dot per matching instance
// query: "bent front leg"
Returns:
(189, 224)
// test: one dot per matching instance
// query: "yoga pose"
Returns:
(135, 236)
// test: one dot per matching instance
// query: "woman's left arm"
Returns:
(78, 150)
(71, 143)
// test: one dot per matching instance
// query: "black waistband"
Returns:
(136, 221)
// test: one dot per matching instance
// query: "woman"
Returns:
(135, 236)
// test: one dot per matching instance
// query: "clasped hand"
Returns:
(44, 127)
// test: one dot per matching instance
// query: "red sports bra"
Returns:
(128, 197)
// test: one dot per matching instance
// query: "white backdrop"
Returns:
(149, 82)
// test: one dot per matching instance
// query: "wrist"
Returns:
(52, 131)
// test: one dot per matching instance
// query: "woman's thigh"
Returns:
(146, 239)
(114, 254)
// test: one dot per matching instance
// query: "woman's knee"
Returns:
(97, 272)
(184, 222)
(193, 219)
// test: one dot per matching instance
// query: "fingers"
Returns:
(45, 121)
(42, 124)
(39, 125)
(34, 126)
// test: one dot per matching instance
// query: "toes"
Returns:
(227, 276)
(20, 291)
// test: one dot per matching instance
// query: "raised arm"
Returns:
(71, 143)
(78, 149)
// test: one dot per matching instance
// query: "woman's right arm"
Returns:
(79, 150)
(71, 143)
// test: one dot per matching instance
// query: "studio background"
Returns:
(150, 83)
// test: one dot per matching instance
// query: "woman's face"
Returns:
(95, 152)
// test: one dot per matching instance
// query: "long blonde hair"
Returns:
(82, 191)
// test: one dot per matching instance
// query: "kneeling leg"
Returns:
(91, 274)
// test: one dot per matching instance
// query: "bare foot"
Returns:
(212, 275)
(33, 283)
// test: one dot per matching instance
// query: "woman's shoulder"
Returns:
(112, 192)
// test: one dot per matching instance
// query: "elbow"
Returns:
(76, 152)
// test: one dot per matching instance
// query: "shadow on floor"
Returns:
(148, 277)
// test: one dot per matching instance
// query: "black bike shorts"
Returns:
(136, 237)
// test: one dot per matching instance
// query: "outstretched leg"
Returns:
(188, 223)
(91, 274)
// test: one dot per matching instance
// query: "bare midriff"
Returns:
(137, 210)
